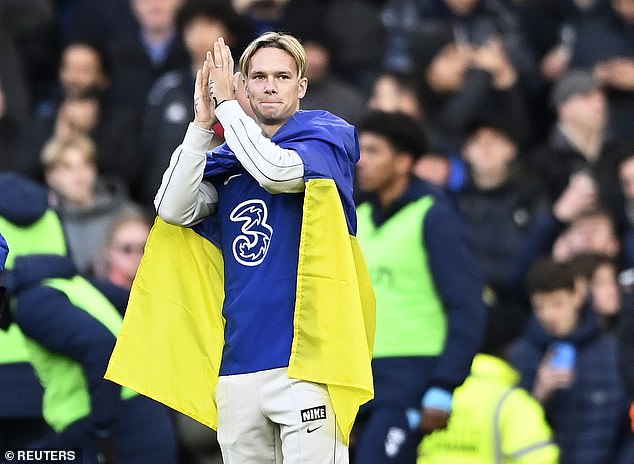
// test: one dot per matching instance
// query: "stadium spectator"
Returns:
(145, 52)
(570, 364)
(168, 109)
(86, 202)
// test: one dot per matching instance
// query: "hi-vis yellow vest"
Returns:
(492, 422)
(45, 235)
(66, 394)
(170, 345)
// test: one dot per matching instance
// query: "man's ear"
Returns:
(303, 86)
(404, 162)
(240, 83)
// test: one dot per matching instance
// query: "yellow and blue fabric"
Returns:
(260, 233)
(171, 344)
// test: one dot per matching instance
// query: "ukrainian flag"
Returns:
(170, 345)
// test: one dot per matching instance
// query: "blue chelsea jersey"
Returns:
(259, 235)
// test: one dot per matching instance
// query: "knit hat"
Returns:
(575, 82)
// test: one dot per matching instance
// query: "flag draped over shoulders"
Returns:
(170, 345)
(334, 308)
(327, 144)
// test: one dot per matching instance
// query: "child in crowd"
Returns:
(570, 365)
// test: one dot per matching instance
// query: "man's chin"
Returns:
(271, 120)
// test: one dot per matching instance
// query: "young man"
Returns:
(430, 316)
(570, 364)
(291, 355)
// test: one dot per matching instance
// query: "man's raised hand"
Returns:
(215, 83)
(221, 75)
(204, 116)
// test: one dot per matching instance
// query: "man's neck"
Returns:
(157, 37)
(587, 142)
(271, 129)
(489, 180)
(390, 193)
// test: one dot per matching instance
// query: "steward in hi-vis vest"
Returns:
(493, 421)
(22, 204)
(66, 327)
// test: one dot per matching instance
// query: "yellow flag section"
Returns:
(335, 306)
(170, 345)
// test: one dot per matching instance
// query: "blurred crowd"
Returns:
(528, 109)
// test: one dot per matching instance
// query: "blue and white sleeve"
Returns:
(276, 169)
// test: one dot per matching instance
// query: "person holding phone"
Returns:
(570, 364)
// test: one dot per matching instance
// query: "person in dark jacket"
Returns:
(168, 109)
(580, 141)
(430, 315)
(570, 365)
(21, 421)
(601, 41)
(504, 212)
(146, 51)
(69, 327)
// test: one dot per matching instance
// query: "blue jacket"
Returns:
(590, 418)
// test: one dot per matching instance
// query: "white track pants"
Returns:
(266, 417)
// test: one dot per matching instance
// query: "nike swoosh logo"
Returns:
(309, 430)
(231, 177)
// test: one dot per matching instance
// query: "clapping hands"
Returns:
(215, 83)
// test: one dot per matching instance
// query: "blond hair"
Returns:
(130, 214)
(56, 146)
(285, 42)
